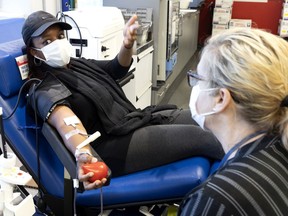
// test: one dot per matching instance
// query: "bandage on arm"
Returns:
(56, 119)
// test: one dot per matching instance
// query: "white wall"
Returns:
(22, 8)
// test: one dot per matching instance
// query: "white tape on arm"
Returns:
(90, 139)
(74, 132)
(80, 152)
(72, 120)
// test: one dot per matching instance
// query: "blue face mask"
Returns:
(199, 118)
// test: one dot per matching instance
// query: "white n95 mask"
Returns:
(199, 118)
(57, 53)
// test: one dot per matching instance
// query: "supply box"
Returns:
(235, 23)
(283, 28)
(219, 28)
(224, 3)
(222, 15)
(285, 11)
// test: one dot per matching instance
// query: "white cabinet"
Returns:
(145, 99)
(137, 84)
(128, 86)
(143, 77)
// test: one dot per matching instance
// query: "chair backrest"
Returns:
(10, 28)
(20, 129)
(10, 75)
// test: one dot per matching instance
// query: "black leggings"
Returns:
(157, 145)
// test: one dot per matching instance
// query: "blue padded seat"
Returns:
(168, 182)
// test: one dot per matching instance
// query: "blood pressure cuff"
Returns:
(46, 95)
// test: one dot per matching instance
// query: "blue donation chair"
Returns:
(164, 184)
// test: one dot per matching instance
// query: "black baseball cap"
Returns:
(37, 22)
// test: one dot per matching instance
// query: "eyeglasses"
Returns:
(193, 78)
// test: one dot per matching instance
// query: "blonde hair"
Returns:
(253, 65)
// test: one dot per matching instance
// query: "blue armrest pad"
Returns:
(173, 180)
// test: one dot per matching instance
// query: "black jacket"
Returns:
(98, 84)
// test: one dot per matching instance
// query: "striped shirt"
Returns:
(252, 183)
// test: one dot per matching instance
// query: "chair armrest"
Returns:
(65, 156)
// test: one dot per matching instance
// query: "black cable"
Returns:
(80, 34)
(1, 154)
(40, 203)
(36, 135)
(18, 98)
(63, 16)
(3, 135)
(75, 185)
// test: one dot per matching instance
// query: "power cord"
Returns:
(63, 18)
(40, 203)
(19, 94)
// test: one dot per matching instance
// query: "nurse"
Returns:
(240, 94)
